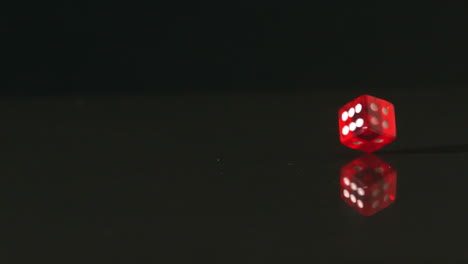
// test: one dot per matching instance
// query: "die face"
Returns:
(367, 123)
(368, 184)
(380, 115)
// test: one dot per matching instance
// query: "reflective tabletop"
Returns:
(231, 178)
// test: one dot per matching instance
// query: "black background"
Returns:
(206, 132)
(150, 47)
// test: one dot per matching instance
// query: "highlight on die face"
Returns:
(368, 184)
(367, 123)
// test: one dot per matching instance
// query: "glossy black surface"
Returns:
(251, 178)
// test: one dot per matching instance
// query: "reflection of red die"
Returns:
(367, 123)
(368, 184)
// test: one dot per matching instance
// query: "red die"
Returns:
(367, 123)
(368, 184)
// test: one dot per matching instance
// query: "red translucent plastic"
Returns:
(367, 123)
(368, 184)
